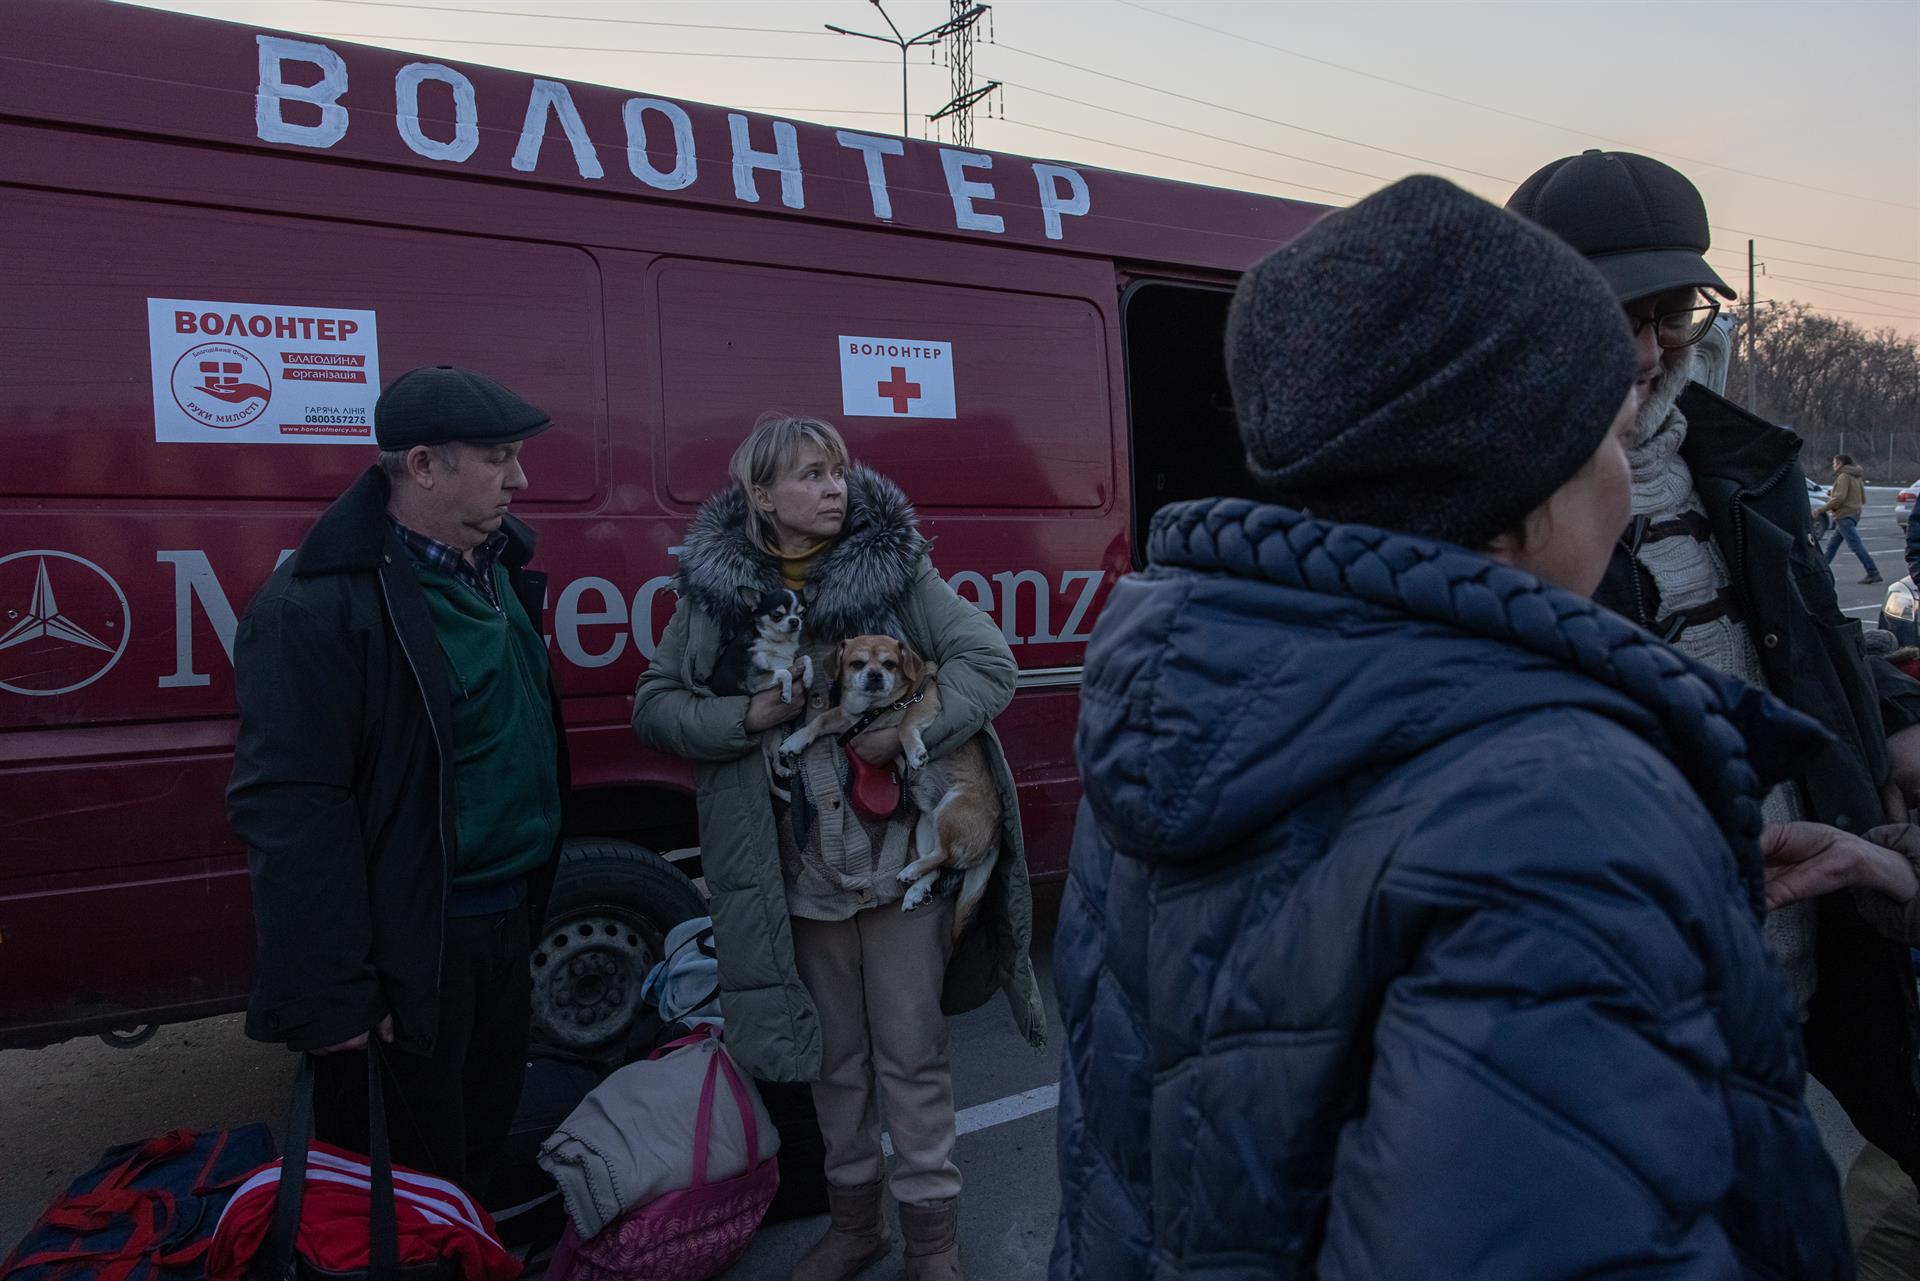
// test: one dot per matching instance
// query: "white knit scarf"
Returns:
(1689, 572)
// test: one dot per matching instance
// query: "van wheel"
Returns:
(613, 903)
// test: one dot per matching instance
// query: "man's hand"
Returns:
(879, 746)
(766, 709)
(360, 1042)
(1807, 860)
(1901, 795)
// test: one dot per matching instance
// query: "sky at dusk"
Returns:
(1799, 122)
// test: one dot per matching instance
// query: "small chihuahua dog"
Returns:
(957, 827)
(766, 650)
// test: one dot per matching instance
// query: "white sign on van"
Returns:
(896, 378)
(234, 373)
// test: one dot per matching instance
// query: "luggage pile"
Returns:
(680, 995)
(664, 1177)
(144, 1212)
(658, 1170)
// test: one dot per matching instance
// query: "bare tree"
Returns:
(1832, 381)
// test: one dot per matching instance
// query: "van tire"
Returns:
(612, 906)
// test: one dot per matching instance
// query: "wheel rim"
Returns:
(587, 970)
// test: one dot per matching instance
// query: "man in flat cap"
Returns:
(399, 777)
(1719, 562)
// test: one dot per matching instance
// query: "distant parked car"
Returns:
(1903, 503)
(1817, 495)
(1897, 612)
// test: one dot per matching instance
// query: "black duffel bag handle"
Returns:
(283, 1261)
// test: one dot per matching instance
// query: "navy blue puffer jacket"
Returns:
(1412, 931)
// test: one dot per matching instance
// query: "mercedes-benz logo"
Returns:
(54, 643)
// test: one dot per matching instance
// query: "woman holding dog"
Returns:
(823, 977)
(1412, 927)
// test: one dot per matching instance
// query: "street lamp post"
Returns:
(930, 36)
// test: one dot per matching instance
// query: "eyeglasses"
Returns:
(1679, 327)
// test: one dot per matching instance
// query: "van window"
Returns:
(1185, 442)
(75, 388)
(1032, 424)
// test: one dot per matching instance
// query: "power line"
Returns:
(1844, 284)
(1853, 297)
(1823, 266)
(1808, 244)
(1269, 120)
(1425, 160)
(1862, 298)
(1834, 266)
(685, 53)
(596, 48)
(1199, 133)
(1363, 174)
(807, 111)
(1838, 292)
(1841, 311)
(1502, 111)
(1161, 155)
(1244, 173)
(572, 17)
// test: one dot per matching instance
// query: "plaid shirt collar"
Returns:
(477, 573)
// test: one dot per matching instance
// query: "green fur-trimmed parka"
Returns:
(876, 579)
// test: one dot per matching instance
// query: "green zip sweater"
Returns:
(505, 792)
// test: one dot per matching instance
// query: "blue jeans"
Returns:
(1845, 527)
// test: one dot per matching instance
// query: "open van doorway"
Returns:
(1180, 410)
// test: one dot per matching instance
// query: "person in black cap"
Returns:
(1719, 561)
(1411, 926)
(399, 776)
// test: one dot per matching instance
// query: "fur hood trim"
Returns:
(855, 586)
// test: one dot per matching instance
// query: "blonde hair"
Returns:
(769, 451)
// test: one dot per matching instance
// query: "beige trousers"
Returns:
(876, 979)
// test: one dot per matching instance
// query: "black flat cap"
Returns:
(438, 404)
(1641, 223)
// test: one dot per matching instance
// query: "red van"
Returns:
(220, 240)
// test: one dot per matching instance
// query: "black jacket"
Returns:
(1862, 1030)
(341, 790)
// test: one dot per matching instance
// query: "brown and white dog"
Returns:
(958, 810)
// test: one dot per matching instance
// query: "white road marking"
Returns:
(1861, 609)
(997, 1112)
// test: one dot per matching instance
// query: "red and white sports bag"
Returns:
(322, 1213)
(436, 1220)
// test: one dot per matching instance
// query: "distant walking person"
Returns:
(1849, 496)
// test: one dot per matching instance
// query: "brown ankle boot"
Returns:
(857, 1237)
(931, 1232)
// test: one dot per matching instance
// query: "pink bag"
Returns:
(688, 1235)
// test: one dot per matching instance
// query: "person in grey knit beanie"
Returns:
(1426, 362)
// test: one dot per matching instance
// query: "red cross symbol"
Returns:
(899, 390)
